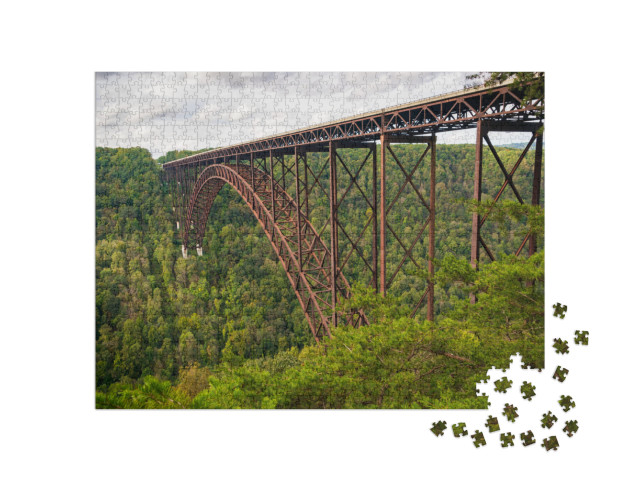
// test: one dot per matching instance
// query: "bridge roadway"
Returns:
(454, 111)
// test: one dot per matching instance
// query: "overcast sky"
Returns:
(175, 111)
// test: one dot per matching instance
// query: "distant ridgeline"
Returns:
(160, 315)
(515, 145)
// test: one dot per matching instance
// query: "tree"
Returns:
(193, 379)
(531, 83)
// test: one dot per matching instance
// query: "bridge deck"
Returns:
(453, 111)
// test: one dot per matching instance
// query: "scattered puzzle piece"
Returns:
(527, 438)
(582, 337)
(511, 412)
(492, 424)
(559, 310)
(502, 385)
(478, 438)
(439, 428)
(507, 439)
(551, 443)
(548, 420)
(561, 347)
(528, 390)
(567, 403)
(560, 374)
(459, 430)
(570, 427)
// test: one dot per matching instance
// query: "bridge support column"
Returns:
(273, 195)
(537, 175)
(477, 196)
(374, 215)
(334, 230)
(383, 214)
(432, 231)
(306, 185)
(253, 180)
(185, 253)
(296, 154)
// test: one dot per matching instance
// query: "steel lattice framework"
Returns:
(280, 185)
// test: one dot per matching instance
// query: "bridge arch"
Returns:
(304, 256)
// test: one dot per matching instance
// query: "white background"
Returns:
(49, 428)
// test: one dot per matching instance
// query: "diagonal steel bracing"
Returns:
(304, 256)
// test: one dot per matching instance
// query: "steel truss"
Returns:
(288, 180)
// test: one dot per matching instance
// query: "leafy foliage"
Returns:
(225, 330)
(531, 83)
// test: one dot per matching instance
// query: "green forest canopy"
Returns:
(226, 330)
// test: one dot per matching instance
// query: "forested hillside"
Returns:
(226, 330)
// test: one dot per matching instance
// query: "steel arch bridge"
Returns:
(284, 190)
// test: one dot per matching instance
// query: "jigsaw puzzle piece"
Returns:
(492, 424)
(502, 385)
(567, 403)
(570, 427)
(439, 428)
(459, 430)
(511, 412)
(548, 420)
(560, 374)
(528, 390)
(559, 310)
(506, 439)
(478, 439)
(527, 438)
(582, 337)
(551, 443)
(561, 347)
